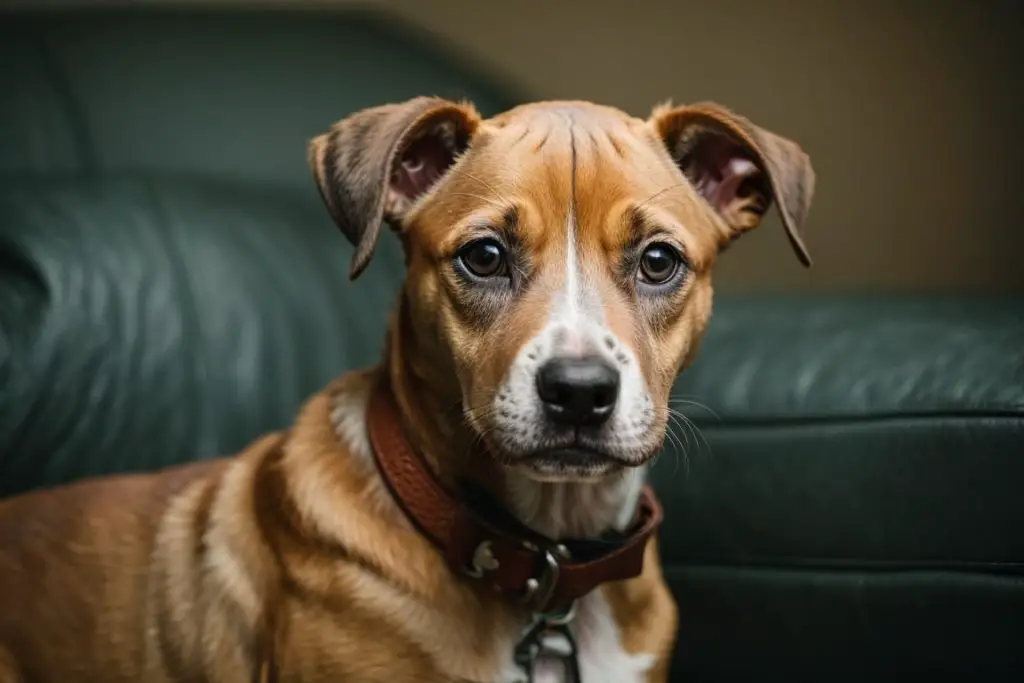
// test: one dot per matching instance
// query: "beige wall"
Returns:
(908, 108)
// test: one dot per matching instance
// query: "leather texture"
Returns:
(150, 320)
(844, 502)
(780, 624)
(873, 357)
(171, 287)
(825, 415)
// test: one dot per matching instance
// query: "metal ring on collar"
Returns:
(540, 590)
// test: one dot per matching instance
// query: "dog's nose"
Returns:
(578, 391)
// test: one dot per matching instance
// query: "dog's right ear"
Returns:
(372, 166)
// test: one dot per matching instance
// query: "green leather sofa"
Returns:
(170, 287)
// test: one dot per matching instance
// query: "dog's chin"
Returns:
(570, 464)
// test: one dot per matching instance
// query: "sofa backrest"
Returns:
(170, 283)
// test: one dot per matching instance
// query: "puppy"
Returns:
(473, 509)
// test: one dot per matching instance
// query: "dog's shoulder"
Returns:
(68, 511)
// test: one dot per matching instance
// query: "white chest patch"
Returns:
(601, 656)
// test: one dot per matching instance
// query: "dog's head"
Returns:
(558, 256)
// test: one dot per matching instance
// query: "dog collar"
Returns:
(488, 544)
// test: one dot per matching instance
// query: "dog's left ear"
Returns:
(372, 166)
(739, 168)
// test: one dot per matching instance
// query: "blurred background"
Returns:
(843, 484)
(908, 108)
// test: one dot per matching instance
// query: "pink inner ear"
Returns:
(718, 168)
(423, 162)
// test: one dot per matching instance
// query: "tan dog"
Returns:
(559, 259)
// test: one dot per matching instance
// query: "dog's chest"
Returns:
(600, 654)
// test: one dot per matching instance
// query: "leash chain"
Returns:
(549, 637)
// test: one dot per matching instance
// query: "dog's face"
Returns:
(559, 256)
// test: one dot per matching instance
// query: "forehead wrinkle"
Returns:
(545, 199)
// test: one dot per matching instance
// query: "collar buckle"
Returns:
(541, 589)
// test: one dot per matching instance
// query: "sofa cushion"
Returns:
(146, 321)
(846, 503)
(852, 429)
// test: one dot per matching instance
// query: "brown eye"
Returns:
(658, 264)
(483, 258)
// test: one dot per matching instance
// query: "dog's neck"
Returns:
(433, 422)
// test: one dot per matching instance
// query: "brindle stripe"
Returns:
(201, 516)
(526, 131)
(288, 534)
(168, 632)
(543, 139)
(617, 146)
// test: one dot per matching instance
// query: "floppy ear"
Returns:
(739, 168)
(372, 166)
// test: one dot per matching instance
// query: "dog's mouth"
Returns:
(577, 457)
(568, 463)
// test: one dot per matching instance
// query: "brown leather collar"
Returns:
(490, 546)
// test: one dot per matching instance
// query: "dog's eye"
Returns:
(658, 264)
(483, 258)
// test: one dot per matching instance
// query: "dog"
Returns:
(475, 507)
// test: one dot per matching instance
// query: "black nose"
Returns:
(578, 391)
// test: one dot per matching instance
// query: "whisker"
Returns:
(698, 435)
(682, 442)
(500, 204)
(483, 182)
(678, 400)
(678, 450)
(688, 459)
(661, 192)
